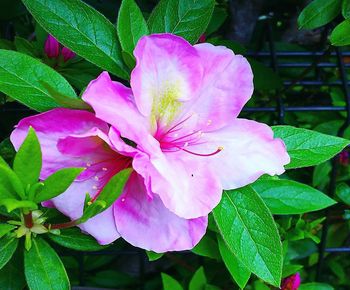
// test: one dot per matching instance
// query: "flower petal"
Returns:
(71, 203)
(185, 184)
(52, 47)
(168, 72)
(52, 126)
(113, 103)
(227, 85)
(249, 151)
(148, 224)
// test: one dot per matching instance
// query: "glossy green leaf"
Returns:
(207, 247)
(5, 228)
(186, 18)
(21, 78)
(169, 283)
(198, 280)
(8, 246)
(131, 25)
(43, 268)
(249, 231)
(343, 192)
(319, 13)
(74, 239)
(290, 197)
(57, 183)
(10, 184)
(109, 194)
(315, 286)
(238, 271)
(82, 29)
(345, 9)
(12, 204)
(308, 148)
(28, 160)
(341, 34)
(153, 256)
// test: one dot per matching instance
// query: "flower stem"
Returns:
(63, 225)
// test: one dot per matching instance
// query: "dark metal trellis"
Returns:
(317, 61)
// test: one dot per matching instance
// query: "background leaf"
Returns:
(198, 281)
(21, 77)
(83, 30)
(318, 13)
(169, 283)
(186, 18)
(130, 25)
(341, 34)
(249, 231)
(290, 197)
(43, 268)
(308, 148)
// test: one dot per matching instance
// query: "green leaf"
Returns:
(290, 197)
(83, 30)
(249, 231)
(12, 277)
(43, 268)
(8, 246)
(169, 283)
(6, 44)
(12, 204)
(186, 18)
(5, 228)
(318, 13)
(153, 256)
(74, 239)
(345, 9)
(341, 34)
(238, 271)
(57, 183)
(28, 160)
(198, 280)
(109, 194)
(21, 77)
(10, 184)
(315, 286)
(289, 270)
(26, 47)
(308, 148)
(343, 192)
(207, 247)
(131, 25)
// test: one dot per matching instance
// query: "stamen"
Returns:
(204, 155)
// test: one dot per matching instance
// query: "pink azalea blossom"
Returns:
(291, 282)
(52, 49)
(177, 127)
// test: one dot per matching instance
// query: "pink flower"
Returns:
(178, 127)
(202, 38)
(291, 282)
(52, 49)
(344, 158)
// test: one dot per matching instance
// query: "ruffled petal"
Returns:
(113, 103)
(227, 85)
(249, 151)
(184, 183)
(52, 126)
(168, 73)
(146, 223)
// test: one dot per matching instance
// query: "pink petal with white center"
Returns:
(249, 151)
(146, 223)
(168, 73)
(113, 103)
(184, 182)
(227, 85)
(52, 126)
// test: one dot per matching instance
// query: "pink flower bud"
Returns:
(202, 38)
(52, 47)
(67, 54)
(291, 282)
